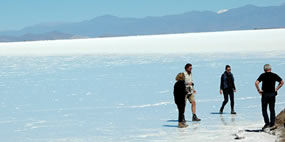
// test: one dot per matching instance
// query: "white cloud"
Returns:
(222, 11)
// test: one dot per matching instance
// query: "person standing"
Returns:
(179, 98)
(227, 88)
(190, 90)
(268, 93)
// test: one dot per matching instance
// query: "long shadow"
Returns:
(172, 126)
(256, 131)
(176, 121)
(219, 113)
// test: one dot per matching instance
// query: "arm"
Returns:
(184, 88)
(234, 84)
(222, 85)
(192, 84)
(257, 87)
(279, 85)
(191, 78)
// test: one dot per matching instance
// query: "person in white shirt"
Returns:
(190, 90)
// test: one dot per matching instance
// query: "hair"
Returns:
(187, 65)
(227, 66)
(267, 67)
(180, 77)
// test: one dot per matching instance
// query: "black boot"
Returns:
(221, 111)
(195, 118)
(265, 126)
(233, 112)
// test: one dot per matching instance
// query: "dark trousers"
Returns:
(181, 110)
(227, 93)
(268, 99)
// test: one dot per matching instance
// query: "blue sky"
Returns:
(17, 14)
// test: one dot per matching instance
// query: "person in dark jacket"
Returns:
(268, 93)
(227, 88)
(180, 99)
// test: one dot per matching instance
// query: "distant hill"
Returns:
(243, 18)
(34, 37)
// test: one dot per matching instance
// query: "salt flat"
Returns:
(120, 89)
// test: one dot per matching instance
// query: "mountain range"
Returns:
(244, 18)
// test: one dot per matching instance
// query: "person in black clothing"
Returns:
(227, 88)
(180, 99)
(268, 93)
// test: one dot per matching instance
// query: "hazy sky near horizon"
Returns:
(17, 14)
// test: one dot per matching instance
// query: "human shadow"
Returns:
(255, 131)
(170, 126)
(194, 124)
(176, 121)
(219, 113)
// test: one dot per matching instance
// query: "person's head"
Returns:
(188, 67)
(228, 68)
(267, 68)
(180, 77)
